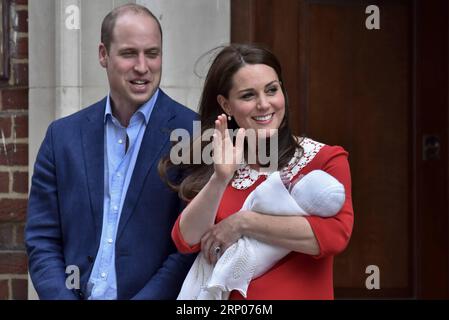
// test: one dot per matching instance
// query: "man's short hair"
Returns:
(107, 27)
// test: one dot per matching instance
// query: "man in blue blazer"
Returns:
(97, 206)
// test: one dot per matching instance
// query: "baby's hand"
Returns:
(289, 184)
(295, 181)
(285, 179)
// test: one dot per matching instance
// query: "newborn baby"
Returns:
(316, 193)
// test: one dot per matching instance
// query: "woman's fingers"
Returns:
(224, 122)
(222, 142)
(239, 145)
(205, 246)
(207, 242)
(221, 125)
(217, 143)
(227, 157)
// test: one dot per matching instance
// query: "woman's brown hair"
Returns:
(219, 81)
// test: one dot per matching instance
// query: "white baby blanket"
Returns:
(317, 193)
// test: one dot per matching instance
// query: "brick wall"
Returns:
(14, 158)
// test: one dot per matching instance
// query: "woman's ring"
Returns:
(217, 250)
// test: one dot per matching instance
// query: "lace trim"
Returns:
(246, 176)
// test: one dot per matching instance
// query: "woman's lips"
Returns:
(264, 119)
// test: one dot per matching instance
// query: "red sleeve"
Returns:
(179, 241)
(333, 233)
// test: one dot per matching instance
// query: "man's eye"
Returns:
(152, 55)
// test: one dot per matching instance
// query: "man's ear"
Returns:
(103, 55)
(223, 102)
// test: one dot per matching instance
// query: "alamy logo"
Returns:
(180, 153)
(72, 20)
(373, 20)
(373, 280)
(73, 279)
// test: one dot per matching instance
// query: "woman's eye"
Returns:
(272, 90)
(247, 96)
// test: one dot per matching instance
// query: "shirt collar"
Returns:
(144, 109)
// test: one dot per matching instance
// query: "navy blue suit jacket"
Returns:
(65, 209)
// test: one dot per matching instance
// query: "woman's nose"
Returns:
(263, 102)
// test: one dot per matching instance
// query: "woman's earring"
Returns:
(229, 117)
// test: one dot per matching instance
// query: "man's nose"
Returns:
(141, 64)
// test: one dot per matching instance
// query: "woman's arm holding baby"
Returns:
(290, 232)
(312, 235)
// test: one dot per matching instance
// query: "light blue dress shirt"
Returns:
(118, 168)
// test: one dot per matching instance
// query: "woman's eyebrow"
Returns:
(250, 89)
(269, 84)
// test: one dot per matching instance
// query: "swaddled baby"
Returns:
(316, 193)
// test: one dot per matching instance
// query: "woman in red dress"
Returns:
(244, 91)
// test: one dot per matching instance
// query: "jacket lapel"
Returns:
(157, 134)
(92, 134)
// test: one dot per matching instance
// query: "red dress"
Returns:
(298, 275)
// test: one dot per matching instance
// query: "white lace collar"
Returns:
(246, 176)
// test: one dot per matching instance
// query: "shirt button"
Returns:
(120, 141)
(119, 174)
(103, 274)
(110, 240)
(115, 208)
